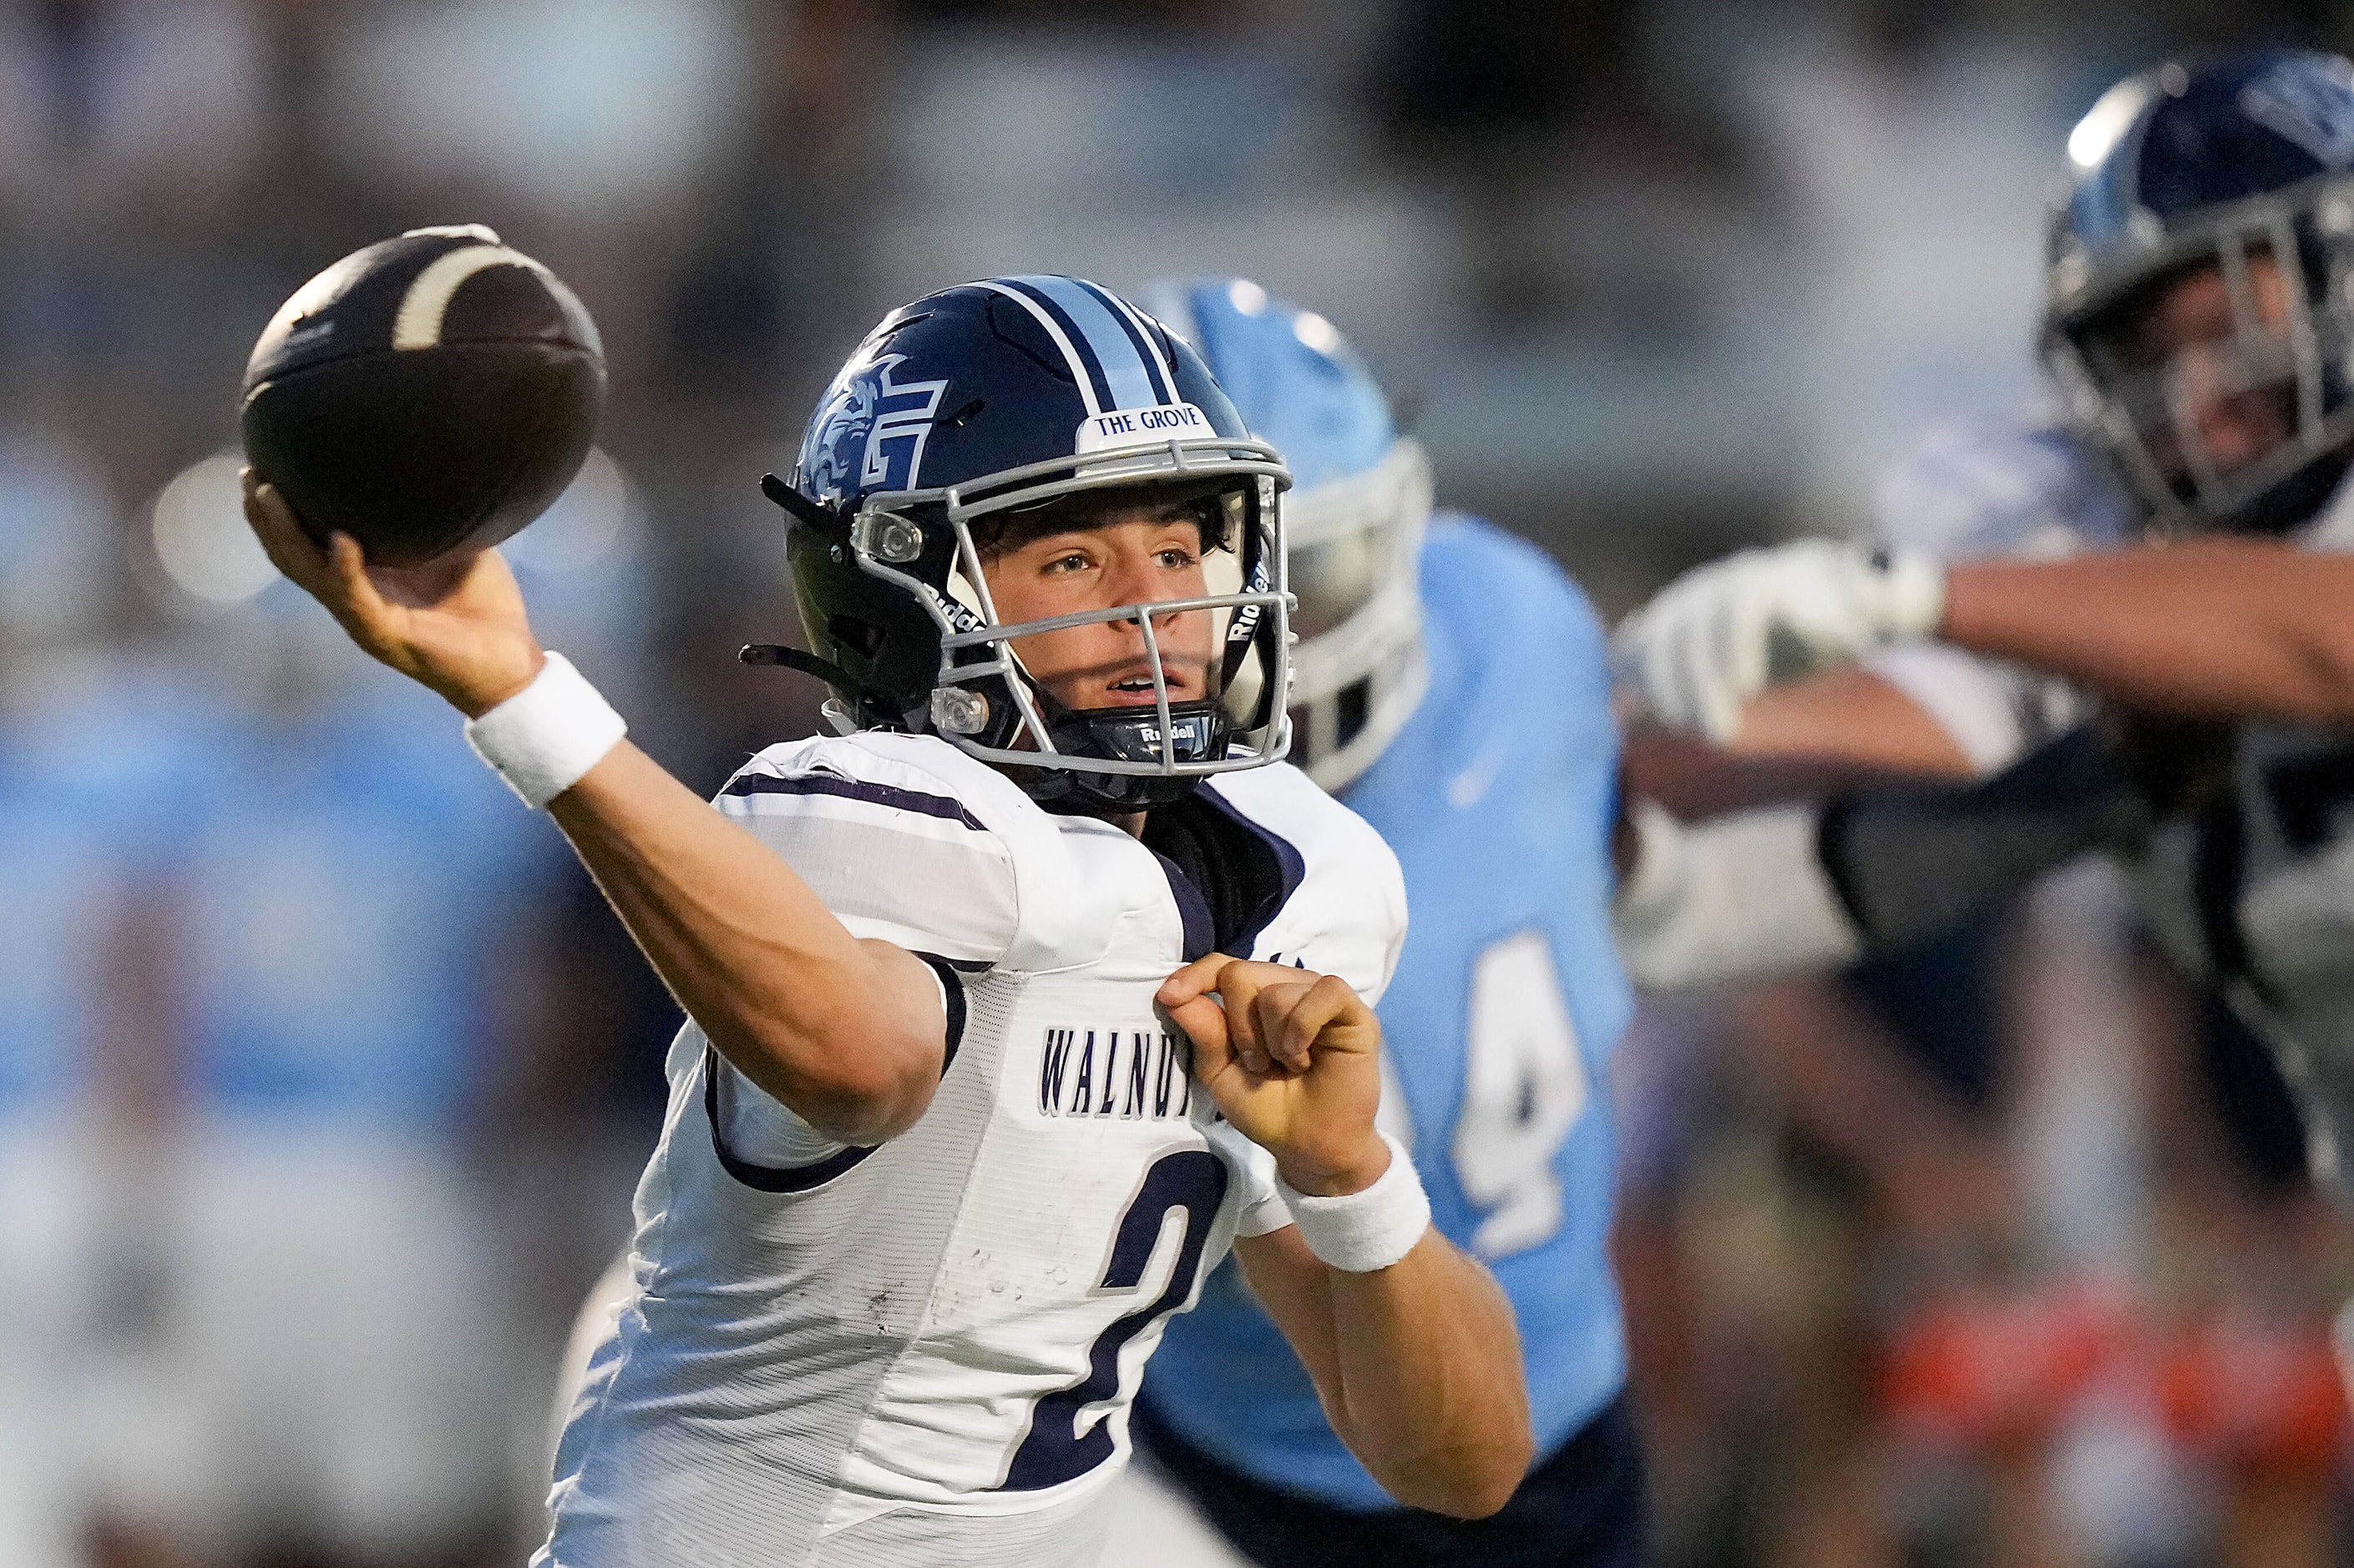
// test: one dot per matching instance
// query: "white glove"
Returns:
(1722, 633)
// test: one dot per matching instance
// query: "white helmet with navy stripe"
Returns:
(1354, 522)
(967, 406)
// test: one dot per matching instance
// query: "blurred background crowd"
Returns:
(323, 1077)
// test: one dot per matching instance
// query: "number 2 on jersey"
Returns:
(1193, 1181)
(1524, 1088)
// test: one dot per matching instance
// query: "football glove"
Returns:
(1706, 643)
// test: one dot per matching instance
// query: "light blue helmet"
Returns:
(1360, 501)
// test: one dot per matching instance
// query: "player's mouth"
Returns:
(1136, 689)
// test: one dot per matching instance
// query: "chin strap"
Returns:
(798, 507)
(839, 716)
(808, 664)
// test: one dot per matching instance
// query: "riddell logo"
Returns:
(1128, 1074)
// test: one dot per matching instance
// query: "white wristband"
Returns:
(1913, 600)
(1358, 1233)
(542, 740)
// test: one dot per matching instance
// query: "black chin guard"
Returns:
(1122, 734)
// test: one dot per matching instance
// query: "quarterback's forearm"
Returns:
(1419, 1366)
(2207, 629)
(848, 1034)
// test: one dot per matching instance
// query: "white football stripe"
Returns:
(418, 324)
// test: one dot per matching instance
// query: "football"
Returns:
(427, 393)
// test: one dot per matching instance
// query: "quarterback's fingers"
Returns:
(1309, 1012)
(1201, 999)
(1240, 988)
(1237, 982)
(363, 609)
(1204, 1023)
(1194, 979)
(282, 540)
(1272, 1012)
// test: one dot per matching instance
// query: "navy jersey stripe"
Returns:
(1200, 931)
(939, 806)
(769, 1177)
(1291, 866)
(1090, 357)
(817, 1173)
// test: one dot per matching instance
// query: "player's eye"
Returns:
(1176, 558)
(1072, 562)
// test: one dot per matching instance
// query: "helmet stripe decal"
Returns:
(1093, 391)
(1102, 332)
(1171, 306)
(1156, 364)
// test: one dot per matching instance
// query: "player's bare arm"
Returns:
(1419, 1363)
(847, 1032)
(2204, 628)
(2212, 627)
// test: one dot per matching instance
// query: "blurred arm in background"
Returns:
(2244, 629)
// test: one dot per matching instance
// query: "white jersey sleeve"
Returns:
(2027, 489)
(889, 847)
(1263, 1211)
(896, 855)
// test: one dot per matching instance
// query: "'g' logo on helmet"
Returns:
(870, 435)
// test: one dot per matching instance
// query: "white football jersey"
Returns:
(924, 1351)
(2255, 893)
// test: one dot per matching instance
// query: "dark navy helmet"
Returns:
(2230, 164)
(1354, 521)
(969, 408)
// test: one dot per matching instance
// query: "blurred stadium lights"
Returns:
(1315, 331)
(595, 520)
(201, 538)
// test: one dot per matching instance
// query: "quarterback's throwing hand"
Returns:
(1292, 1058)
(456, 624)
(1720, 634)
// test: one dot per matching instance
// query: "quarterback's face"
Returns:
(1135, 554)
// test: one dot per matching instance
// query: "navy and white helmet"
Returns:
(984, 400)
(1354, 520)
(2211, 163)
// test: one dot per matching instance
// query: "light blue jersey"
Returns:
(82, 769)
(353, 895)
(1498, 796)
(339, 885)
